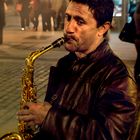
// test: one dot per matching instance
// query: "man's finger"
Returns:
(23, 112)
(26, 118)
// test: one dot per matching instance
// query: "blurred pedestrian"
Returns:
(46, 14)
(34, 13)
(136, 130)
(137, 45)
(58, 8)
(2, 19)
(132, 7)
(24, 13)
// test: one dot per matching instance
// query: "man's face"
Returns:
(80, 29)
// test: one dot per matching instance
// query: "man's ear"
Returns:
(104, 28)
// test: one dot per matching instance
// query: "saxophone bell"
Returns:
(12, 136)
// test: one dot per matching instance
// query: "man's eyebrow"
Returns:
(79, 18)
(75, 16)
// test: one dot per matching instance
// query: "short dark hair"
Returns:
(102, 10)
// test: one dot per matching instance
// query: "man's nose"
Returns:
(70, 26)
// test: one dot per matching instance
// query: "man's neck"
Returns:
(83, 54)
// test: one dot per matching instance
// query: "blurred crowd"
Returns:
(51, 12)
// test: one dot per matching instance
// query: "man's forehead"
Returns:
(78, 8)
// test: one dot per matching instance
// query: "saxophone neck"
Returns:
(34, 55)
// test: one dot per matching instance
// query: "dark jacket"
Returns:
(137, 45)
(91, 98)
(2, 14)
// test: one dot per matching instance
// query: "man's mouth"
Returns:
(70, 39)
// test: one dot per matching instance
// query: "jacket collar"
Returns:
(100, 52)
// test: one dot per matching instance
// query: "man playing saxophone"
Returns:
(90, 93)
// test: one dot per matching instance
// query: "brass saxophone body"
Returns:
(29, 92)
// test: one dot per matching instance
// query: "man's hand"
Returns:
(35, 112)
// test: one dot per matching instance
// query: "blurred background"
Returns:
(53, 12)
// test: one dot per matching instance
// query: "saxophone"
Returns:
(29, 92)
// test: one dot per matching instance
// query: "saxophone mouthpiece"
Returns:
(58, 42)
